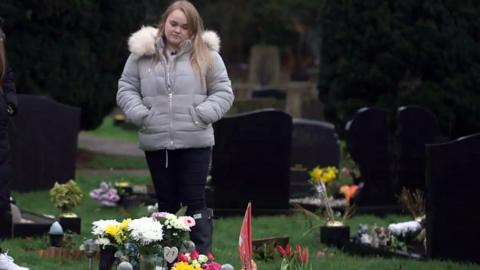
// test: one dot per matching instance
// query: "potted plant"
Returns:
(333, 231)
(65, 197)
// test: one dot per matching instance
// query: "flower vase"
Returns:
(335, 235)
(70, 222)
(107, 257)
(148, 262)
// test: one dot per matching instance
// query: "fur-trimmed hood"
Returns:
(143, 41)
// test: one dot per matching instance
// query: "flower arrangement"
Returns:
(147, 234)
(297, 260)
(196, 261)
(378, 237)
(66, 196)
(106, 195)
(174, 227)
(111, 232)
(321, 178)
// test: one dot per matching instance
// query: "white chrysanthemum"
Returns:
(404, 228)
(98, 227)
(145, 230)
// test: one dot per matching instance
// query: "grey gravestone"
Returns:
(251, 161)
(453, 216)
(368, 141)
(314, 143)
(416, 127)
(264, 65)
(43, 136)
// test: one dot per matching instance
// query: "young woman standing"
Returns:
(174, 86)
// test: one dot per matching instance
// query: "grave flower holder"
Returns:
(107, 257)
(334, 235)
(71, 222)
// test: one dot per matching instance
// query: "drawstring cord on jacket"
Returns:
(166, 158)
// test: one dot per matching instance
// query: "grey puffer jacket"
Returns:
(173, 107)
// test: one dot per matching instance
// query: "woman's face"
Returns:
(176, 29)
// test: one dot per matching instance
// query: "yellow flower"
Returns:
(183, 266)
(325, 176)
(316, 174)
(112, 230)
(124, 225)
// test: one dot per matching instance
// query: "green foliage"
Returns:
(66, 196)
(392, 53)
(72, 51)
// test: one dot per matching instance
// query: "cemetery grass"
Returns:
(25, 250)
(99, 161)
(108, 129)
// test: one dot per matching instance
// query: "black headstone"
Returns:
(314, 143)
(453, 215)
(43, 138)
(251, 161)
(367, 138)
(416, 127)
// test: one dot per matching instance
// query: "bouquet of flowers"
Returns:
(106, 195)
(174, 227)
(196, 261)
(110, 232)
(147, 234)
(297, 260)
(320, 178)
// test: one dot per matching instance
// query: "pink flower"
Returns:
(188, 221)
(212, 266)
(194, 255)
(210, 256)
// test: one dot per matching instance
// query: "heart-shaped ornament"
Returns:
(170, 254)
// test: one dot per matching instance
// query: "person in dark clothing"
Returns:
(8, 106)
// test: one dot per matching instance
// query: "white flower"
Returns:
(99, 226)
(202, 259)
(102, 241)
(366, 239)
(404, 228)
(145, 230)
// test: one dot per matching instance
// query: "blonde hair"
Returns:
(200, 56)
(2, 56)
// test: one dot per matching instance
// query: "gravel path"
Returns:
(108, 145)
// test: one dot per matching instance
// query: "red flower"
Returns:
(194, 255)
(210, 256)
(303, 255)
(288, 250)
(182, 257)
(298, 249)
(281, 251)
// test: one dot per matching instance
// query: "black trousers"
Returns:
(179, 177)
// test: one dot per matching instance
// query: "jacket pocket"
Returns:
(196, 120)
(147, 120)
